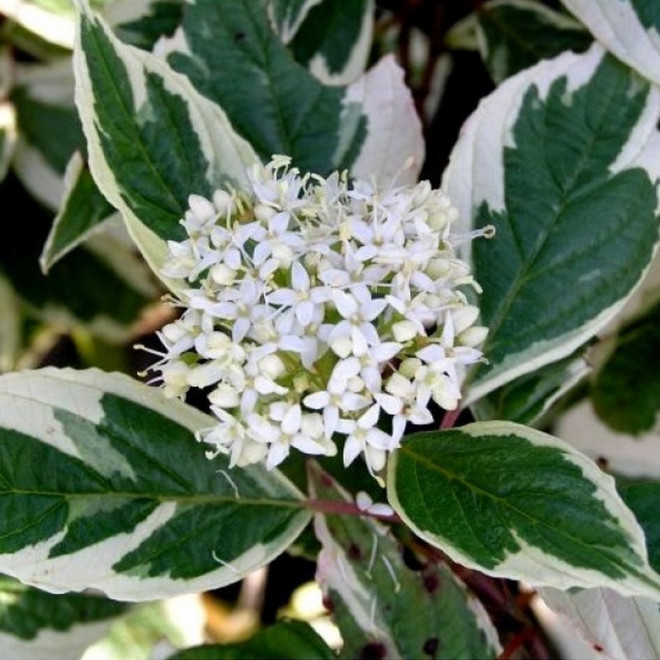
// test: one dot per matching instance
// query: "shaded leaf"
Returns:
(516, 34)
(234, 58)
(293, 640)
(626, 392)
(617, 627)
(381, 606)
(528, 398)
(334, 40)
(83, 210)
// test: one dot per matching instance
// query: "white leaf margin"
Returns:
(529, 563)
(394, 144)
(475, 175)
(26, 402)
(614, 626)
(625, 455)
(616, 25)
(358, 57)
(226, 152)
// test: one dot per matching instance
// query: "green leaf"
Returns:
(286, 16)
(616, 452)
(153, 629)
(235, 59)
(49, 130)
(334, 40)
(152, 140)
(82, 212)
(517, 503)
(643, 499)
(382, 607)
(142, 23)
(106, 296)
(125, 500)
(619, 627)
(562, 159)
(527, 399)
(627, 28)
(516, 34)
(294, 640)
(26, 611)
(626, 393)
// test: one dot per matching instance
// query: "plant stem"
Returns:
(338, 507)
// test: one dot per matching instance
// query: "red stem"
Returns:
(338, 507)
(450, 418)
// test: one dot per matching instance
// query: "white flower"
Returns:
(318, 311)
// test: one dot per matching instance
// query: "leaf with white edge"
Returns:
(516, 34)
(142, 23)
(35, 624)
(7, 137)
(517, 503)
(125, 500)
(231, 55)
(286, 16)
(382, 607)
(527, 399)
(53, 22)
(82, 212)
(618, 627)
(48, 126)
(562, 159)
(626, 393)
(152, 139)
(619, 453)
(294, 640)
(85, 288)
(628, 28)
(334, 40)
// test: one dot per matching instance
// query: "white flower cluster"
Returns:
(318, 311)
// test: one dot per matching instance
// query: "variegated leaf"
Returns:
(7, 137)
(152, 139)
(105, 293)
(517, 503)
(381, 606)
(82, 212)
(628, 28)
(287, 16)
(49, 130)
(142, 23)
(529, 398)
(515, 34)
(50, 21)
(562, 159)
(614, 626)
(124, 500)
(37, 625)
(334, 40)
(622, 454)
(232, 56)
(643, 499)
